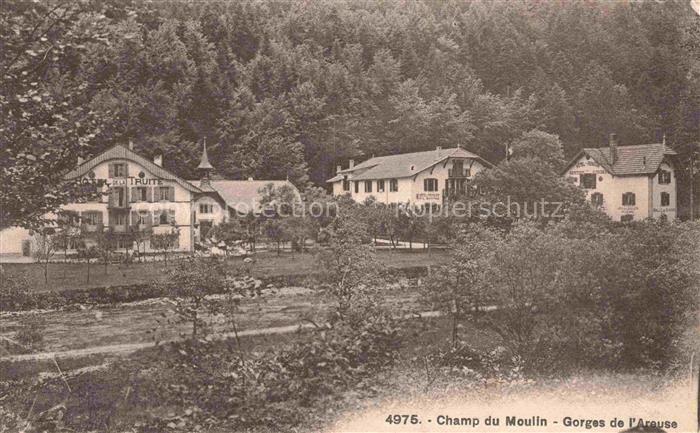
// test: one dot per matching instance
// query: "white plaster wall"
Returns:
(657, 189)
(11, 240)
(612, 188)
(410, 188)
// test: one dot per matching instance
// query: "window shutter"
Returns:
(111, 198)
(111, 170)
(149, 194)
(99, 217)
(126, 169)
(149, 221)
(134, 218)
(171, 215)
(134, 194)
(171, 193)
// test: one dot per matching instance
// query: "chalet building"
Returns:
(627, 182)
(140, 196)
(419, 178)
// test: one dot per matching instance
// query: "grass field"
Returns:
(64, 276)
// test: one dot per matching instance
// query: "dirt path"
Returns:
(120, 349)
(128, 327)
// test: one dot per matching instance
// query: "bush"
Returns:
(581, 293)
(14, 292)
(214, 383)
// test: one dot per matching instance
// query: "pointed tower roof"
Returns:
(204, 163)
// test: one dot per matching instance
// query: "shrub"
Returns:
(581, 293)
(14, 292)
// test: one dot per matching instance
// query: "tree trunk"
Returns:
(46, 272)
(88, 270)
(455, 313)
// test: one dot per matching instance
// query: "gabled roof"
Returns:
(637, 160)
(397, 166)
(121, 152)
(243, 194)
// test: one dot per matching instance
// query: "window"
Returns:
(165, 193)
(665, 199)
(664, 177)
(117, 196)
(92, 218)
(357, 187)
(120, 219)
(597, 199)
(380, 185)
(588, 181)
(346, 185)
(118, 169)
(627, 218)
(368, 186)
(206, 208)
(430, 185)
(628, 199)
(393, 185)
(163, 218)
(457, 168)
(124, 243)
(139, 193)
(139, 218)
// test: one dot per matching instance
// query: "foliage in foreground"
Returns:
(194, 385)
(577, 294)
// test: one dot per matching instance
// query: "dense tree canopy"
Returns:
(289, 89)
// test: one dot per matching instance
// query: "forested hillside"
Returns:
(293, 88)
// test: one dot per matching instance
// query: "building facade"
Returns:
(137, 196)
(627, 182)
(419, 178)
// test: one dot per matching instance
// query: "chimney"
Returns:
(352, 163)
(338, 168)
(613, 147)
(158, 158)
(131, 145)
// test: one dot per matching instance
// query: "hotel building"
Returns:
(627, 182)
(138, 195)
(419, 178)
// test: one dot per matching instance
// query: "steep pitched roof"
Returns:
(121, 152)
(243, 194)
(204, 163)
(637, 160)
(403, 165)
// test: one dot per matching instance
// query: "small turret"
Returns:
(204, 165)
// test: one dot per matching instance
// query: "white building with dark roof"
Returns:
(627, 182)
(140, 196)
(419, 178)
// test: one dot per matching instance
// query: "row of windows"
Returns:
(118, 194)
(429, 185)
(381, 185)
(206, 208)
(588, 180)
(629, 199)
(163, 216)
